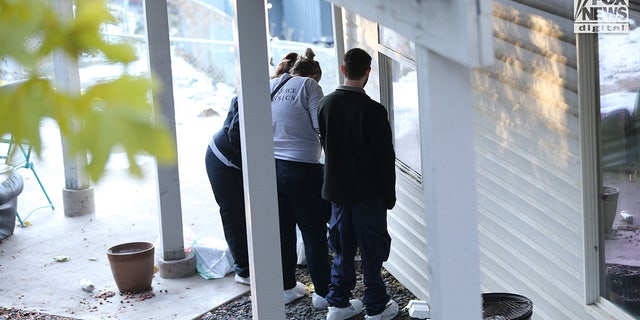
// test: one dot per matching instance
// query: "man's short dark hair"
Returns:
(356, 63)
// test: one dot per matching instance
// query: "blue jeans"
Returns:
(359, 224)
(300, 202)
(226, 183)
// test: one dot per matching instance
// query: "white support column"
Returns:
(176, 263)
(338, 37)
(258, 164)
(77, 196)
(446, 130)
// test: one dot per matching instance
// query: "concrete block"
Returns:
(179, 268)
(78, 202)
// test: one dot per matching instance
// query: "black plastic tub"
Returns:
(509, 306)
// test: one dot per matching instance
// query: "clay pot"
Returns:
(132, 266)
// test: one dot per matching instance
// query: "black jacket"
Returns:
(227, 139)
(356, 137)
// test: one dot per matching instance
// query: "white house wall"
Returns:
(529, 179)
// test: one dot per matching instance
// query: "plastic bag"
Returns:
(213, 258)
(187, 237)
(302, 258)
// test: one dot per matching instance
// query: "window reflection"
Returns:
(619, 68)
(396, 42)
(406, 125)
(403, 99)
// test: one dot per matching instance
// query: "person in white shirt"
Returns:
(299, 175)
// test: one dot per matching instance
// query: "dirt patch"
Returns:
(125, 299)
(623, 286)
(13, 313)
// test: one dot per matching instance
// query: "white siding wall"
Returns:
(527, 160)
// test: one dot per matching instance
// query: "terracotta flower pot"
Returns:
(132, 266)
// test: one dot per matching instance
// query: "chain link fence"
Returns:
(200, 34)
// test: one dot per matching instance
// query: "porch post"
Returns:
(258, 164)
(174, 263)
(446, 130)
(338, 36)
(77, 196)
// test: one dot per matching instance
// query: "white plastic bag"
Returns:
(213, 258)
(302, 258)
(187, 237)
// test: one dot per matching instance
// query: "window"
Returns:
(619, 161)
(399, 77)
(396, 42)
(404, 103)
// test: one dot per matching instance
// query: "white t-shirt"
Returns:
(294, 110)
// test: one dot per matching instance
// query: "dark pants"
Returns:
(226, 183)
(300, 202)
(360, 224)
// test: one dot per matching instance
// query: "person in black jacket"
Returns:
(359, 180)
(224, 167)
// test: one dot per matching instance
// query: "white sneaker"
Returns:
(390, 311)
(354, 309)
(319, 302)
(295, 293)
(241, 280)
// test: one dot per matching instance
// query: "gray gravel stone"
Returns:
(301, 309)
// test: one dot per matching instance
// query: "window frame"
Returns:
(589, 110)
(385, 57)
(587, 49)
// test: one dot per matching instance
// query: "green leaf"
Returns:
(120, 116)
(26, 104)
(21, 24)
(114, 115)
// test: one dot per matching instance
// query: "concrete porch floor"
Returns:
(126, 210)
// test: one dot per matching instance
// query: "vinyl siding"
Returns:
(529, 175)
(527, 160)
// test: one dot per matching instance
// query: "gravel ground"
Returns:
(301, 309)
(240, 308)
(12, 313)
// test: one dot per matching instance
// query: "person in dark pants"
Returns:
(226, 183)
(359, 180)
(299, 174)
(224, 168)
